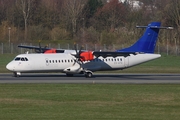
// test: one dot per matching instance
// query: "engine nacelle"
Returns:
(50, 51)
(85, 56)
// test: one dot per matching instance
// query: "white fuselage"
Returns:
(63, 62)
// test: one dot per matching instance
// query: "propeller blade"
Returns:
(80, 51)
(40, 49)
(75, 48)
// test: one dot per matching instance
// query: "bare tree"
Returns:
(111, 15)
(25, 7)
(172, 17)
(72, 10)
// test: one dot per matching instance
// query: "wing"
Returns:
(28, 47)
(39, 49)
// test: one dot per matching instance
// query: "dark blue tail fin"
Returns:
(147, 42)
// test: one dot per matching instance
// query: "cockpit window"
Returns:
(17, 59)
(26, 59)
(21, 59)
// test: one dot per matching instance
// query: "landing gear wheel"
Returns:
(88, 74)
(16, 74)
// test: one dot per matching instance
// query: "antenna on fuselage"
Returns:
(27, 52)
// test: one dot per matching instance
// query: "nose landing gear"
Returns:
(16, 74)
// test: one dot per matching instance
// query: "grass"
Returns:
(89, 101)
(4, 60)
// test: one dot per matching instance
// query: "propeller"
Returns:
(41, 50)
(78, 54)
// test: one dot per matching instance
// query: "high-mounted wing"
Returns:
(28, 47)
(39, 49)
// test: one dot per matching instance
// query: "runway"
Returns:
(104, 78)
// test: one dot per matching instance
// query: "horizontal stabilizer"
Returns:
(155, 27)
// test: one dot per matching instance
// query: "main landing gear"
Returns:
(87, 73)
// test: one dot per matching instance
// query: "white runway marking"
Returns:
(96, 79)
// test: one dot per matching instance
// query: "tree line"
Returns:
(86, 21)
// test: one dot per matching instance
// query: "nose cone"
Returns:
(9, 67)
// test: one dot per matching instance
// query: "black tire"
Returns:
(15, 74)
(88, 74)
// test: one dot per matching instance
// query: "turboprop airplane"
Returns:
(87, 62)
